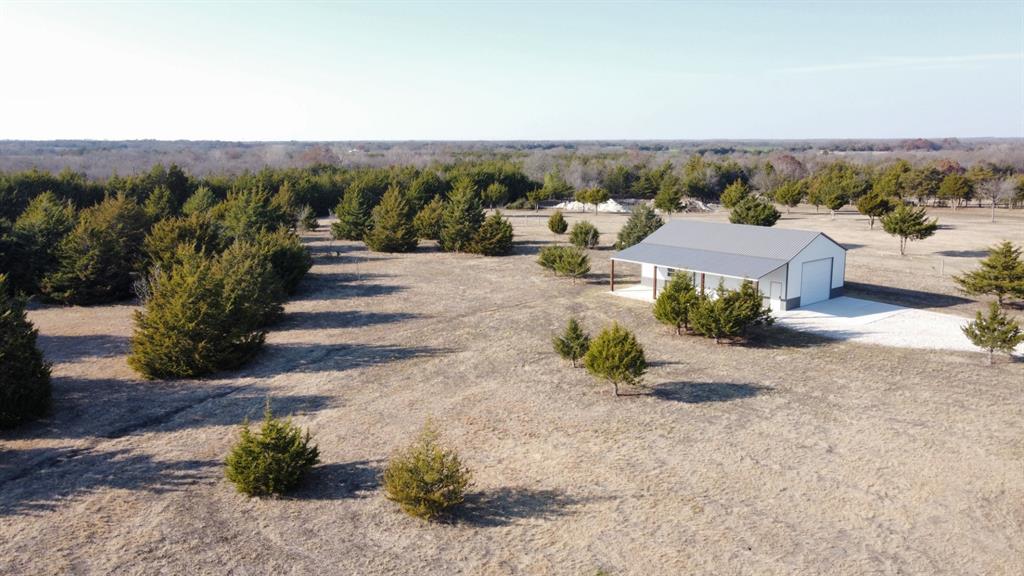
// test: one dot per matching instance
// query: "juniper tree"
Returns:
(584, 235)
(908, 224)
(272, 460)
(755, 212)
(734, 194)
(429, 219)
(670, 194)
(495, 194)
(426, 479)
(731, 313)
(494, 237)
(675, 302)
(994, 332)
(572, 262)
(249, 211)
(573, 343)
(97, 258)
(1000, 274)
(353, 215)
(791, 193)
(955, 188)
(641, 223)
(289, 258)
(874, 204)
(462, 218)
(24, 375)
(201, 201)
(392, 229)
(617, 357)
(37, 233)
(307, 220)
(557, 223)
(199, 230)
(159, 204)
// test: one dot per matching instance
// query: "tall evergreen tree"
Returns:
(1001, 274)
(250, 211)
(670, 194)
(994, 332)
(874, 204)
(353, 216)
(429, 219)
(641, 223)
(392, 229)
(735, 193)
(159, 204)
(908, 224)
(754, 211)
(200, 202)
(462, 218)
(791, 193)
(37, 233)
(24, 375)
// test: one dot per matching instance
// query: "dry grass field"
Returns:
(788, 455)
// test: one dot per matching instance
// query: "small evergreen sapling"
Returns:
(353, 215)
(462, 218)
(755, 212)
(573, 344)
(676, 301)
(494, 237)
(584, 235)
(427, 479)
(641, 223)
(908, 224)
(392, 229)
(874, 205)
(307, 219)
(617, 357)
(994, 332)
(24, 375)
(557, 223)
(272, 460)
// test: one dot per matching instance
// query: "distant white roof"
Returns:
(735, 250)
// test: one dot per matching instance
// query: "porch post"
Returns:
(701, 283)
(613, 275)
(654, 282)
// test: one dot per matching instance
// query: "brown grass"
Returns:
(791, 455)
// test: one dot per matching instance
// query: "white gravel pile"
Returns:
(610, 206)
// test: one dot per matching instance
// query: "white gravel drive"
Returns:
(869, 322)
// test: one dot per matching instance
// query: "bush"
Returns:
(24, 375)
(573, 343)
(731, 314)
(392, 228)
(426, 479)
(557, 223)
(97, 258)
(755, 212)
(204, 314)
(288, 257)
(616, 356)
(734, 194)
(429, 219)
(584, 235)
(307, 219)
(642, 222)
(462, 218)
(272, 460)
(565, 261)
(494, 238)
(37, 233)
(199, 230)
(676, 301)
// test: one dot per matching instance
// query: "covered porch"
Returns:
(654, 277)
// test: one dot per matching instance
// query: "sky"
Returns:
(511, 70)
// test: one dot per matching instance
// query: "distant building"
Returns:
(792, 268)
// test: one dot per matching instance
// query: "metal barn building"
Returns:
(792, 268)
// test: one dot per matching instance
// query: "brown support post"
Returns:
(702, 283)
(613, 275)
(654, 282)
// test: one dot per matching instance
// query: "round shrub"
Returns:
(584, 235)
(272, 460)
(557, 223)
(426, 479)
(24, 375)
(755, 212)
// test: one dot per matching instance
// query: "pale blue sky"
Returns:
(333, 71)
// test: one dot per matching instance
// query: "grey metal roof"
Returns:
(735, 250)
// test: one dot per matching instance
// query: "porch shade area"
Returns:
(695, 260)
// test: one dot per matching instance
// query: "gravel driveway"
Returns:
(869, 322)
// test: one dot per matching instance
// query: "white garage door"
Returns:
(815, 281)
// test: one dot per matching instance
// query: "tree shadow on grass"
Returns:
(284, 358)
(507, 505)
(63, 473)
(702, 392)
(781, 337)
(963, 253)
(326, 319)
(60, 348)
(342, 480)
(530, 247)
(903, 297)
(337, 285)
